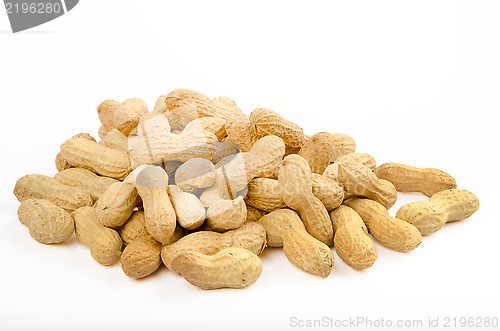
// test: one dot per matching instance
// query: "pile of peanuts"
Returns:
(204, 188)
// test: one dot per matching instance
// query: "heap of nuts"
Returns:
(204, 188)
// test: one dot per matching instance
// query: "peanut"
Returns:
(235, 172)
(210, 196)
(102, 132)
(151, 184)
(323, 148)
(284, 228)
(105, 244)
(154, 121)
(295, 181)
(230, 268)
(97, 158)
(254, 214)
(188, 208)
(241, 131)
(141, 257)
(85, 180)
(105, 111)
(175, 121)
(328, 191)
(114, 139)
(135, 228)
(406, 178)
(195, 174)
(214, 125)
(226, 214)
(63, 196)
(332, 171)
(445, 206)
(390, 232)
(267, 122)
(227, 104)
(264, 194)
(250, 236)
(61, 163)
(191, 143)
(192, 105)
(359, 180)
(116, 204)
(46, 222)
(126, 116)
(351, 240)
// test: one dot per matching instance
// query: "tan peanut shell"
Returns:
(390, 232)
(230, 268)
(295, 181)
(445, 206)
(359, 180)
(351, 240)
(328, 191)
(151, 184)
(228, 104)
(61, 163)
(176, 122)
(254, 214)
(241, 131)
(46, 222)
(63, 196)
(264, 194)
(188, 208)
(151, 122)
(116, 204)
(114, 139)
(237, 171)
(195, 174)
(105, 111)
(126, 116)
(332, 171)
(163, 146)
(85, 180)
(250, 236)
(210, 196)
(105, 244)
(214, 125)
(192, 105)
(102, 132)
(134, 227)
(226, 214)
(284, 228)
(141, 257)
(267, 122)
(97, 158)
(406, 178)
(324, 147)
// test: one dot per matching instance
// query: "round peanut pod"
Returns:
(47, 223)
(241, 131)
(195, 174)
(141, 257)
(126, 116)
(188, 208)
(332, 171)
(226, 215)
(106, 110)
(116, 204)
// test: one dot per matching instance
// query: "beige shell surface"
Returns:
(332, 171)
(126, 116)
(116, 204)
(359, 180)
(412, 179)
(264, 194)
(226, 214)
(47, 223)
(232, 267)
(445, 206)
(105, 244)
(192, 105)
(66, 197)
(328, 191)
(228, 104)
(295, 180)
(241, 131)
(105, 111)
(114, 139)
(86, 181)
(284, 228)
(60, 162)
(319, 151)
(267, 122)
(97, 158)
(390, 232)
(195, 174)
(188, 208)
(141, 257)
(134, 227)
(254, 214)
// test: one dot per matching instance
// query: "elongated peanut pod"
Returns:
(445, 206)
(116, 204)
(285, 229)
(390, 232)
(86, 181)
(351, 240)
(230, 268)
(295, 180)
(412, 179)
(141, 257)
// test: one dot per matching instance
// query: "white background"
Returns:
(412, 82)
